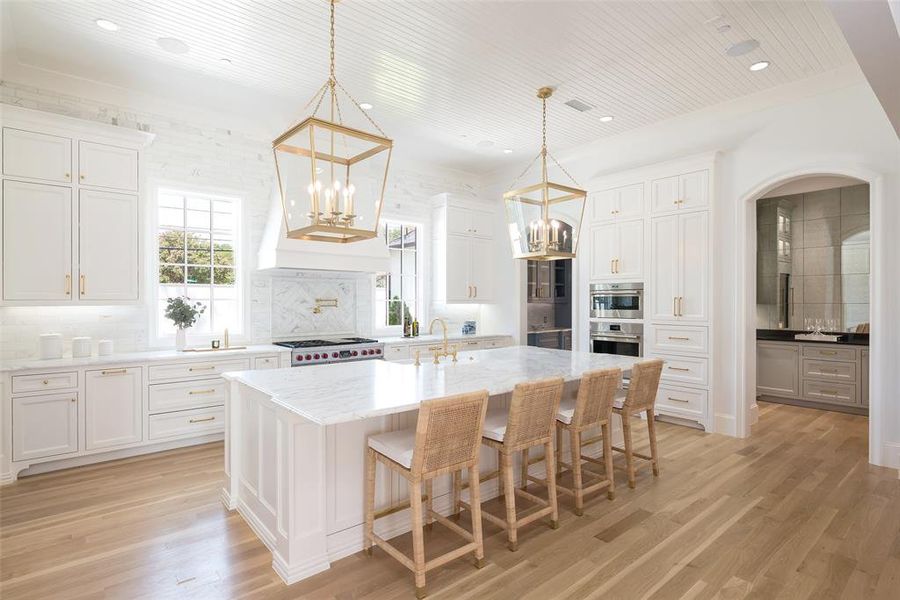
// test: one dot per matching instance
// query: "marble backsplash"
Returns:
(293, 300)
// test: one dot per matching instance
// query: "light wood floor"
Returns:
(795, 511)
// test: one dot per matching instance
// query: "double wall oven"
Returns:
(617, 310)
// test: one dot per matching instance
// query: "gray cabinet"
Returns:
(778, 369)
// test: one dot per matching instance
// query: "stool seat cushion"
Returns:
(619, 400)
(566, 411)
(396, 445)
(495, 423)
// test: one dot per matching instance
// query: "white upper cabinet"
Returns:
(463, 252)
(679, 265)
(106, 166)
(625, 202)
(617, 251)
(107, 246)
(113, 407)
(36, 155)
(680, 192)
(37, 241)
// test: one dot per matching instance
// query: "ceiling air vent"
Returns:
(579, 105)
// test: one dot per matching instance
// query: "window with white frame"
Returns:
(197, 257)
(396, 292)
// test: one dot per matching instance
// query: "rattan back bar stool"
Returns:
(447, 439)
(590, 409)
(528, 423)
(640, 397)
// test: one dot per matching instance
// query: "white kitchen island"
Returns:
(295, 441)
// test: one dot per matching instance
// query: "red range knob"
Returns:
(316, 356)
(366, 352)
(378, 351)
(355, 353)
(299, 357)
(308, 357)
(334, 355)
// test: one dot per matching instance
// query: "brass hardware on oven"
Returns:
(113, 372)
(196, 392)
(206, 368)
(203, 420)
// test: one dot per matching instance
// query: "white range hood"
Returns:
(277, 251)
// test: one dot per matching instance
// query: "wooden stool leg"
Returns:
(415, 501)
(651, 430)
(370, 501)
(429, 504)
(629, 448)
(523, 483)
(608, 459)
(455, 490)
(575, 451)
(550, 464)
(509, 486)
(475, 503)
(559, 447)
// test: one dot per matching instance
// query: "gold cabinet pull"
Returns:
(81, 284)
(45, 382)
(68, 284)
(680, 306)
(677, 369)
(198, 392)
(678, 337)
(828, 352)
(68, 175)
(206, 368)
(475, 287)
(612, 265)
(73, 399)
(674, 307)
(81, 177)
(679, 400)
(203, 420)
(113, 372)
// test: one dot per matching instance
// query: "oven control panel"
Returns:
(310, 356)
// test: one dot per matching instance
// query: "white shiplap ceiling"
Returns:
(446, 77)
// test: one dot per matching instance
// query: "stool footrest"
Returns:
(466, 535)
(402, 505)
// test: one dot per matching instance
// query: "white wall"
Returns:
(202, 152)
(833, 119)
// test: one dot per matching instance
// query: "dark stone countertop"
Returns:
(787, 335)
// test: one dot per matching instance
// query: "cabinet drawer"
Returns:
(465, 345)
(679, 338)
(681, 401)
(683, 369)
(495, 343)
(23, 384)
(829, 352)
(265, 362)
(187, 423)
(829, 370)
(196, 370)
(167, 397)
(396, 352)
(831, 391)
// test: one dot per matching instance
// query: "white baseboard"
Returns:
(726, 425)
(891, 456)
(754, 413)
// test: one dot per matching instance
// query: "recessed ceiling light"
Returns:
(507, 151)
(107, 25)
(365, 106)
(606, 119)
(173, 45)
(743, 47)
(759, 66)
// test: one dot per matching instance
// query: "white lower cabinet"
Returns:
(44, 425)
(688, 403)
(689, 370)
(183, 423)
(168, 397)
(113, 407)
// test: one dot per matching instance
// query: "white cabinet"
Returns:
(618, 203)
(103, 165)
(113, 407)
(864, 377)
(679, 192)
(37, 241)
(36, 155)
(778, 369)
(463, 257)
(44, 425)
(679, 267)
(617, 251)
(107, 246)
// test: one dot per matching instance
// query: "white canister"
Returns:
(51, 345)
(81, 347)
(104, 347)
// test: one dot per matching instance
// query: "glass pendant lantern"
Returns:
(331, 176)
(544, 219)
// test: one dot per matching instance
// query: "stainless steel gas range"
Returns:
(319, 352)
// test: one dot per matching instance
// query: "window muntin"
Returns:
(396, 291)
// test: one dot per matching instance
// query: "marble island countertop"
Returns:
(339, 393)
(438, 337)
(32, 364)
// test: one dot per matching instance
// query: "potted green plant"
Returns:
(183, 313)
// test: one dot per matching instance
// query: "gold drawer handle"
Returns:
(679, 400)
(46, 382)
(675, 337)
(203, 420)
(829, 392)
(828, 352)
(830, 371)
(195, 392)
(207, 368)
(113, 372)
(678, 369)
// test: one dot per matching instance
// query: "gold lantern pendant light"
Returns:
(332, 177)
(544, 219)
